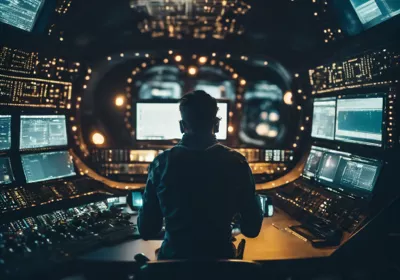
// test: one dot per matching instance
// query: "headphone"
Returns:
(216, 125)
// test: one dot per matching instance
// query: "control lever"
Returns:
(240, 249)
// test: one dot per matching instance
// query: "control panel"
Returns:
(36, 243)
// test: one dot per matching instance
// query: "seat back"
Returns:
(201, 269)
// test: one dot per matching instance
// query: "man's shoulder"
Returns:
(235, 155)
(161, 158)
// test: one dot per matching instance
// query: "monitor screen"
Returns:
(43, 131)
(323, 124)
(374, 12)
(21, 14)
(329, 166)
(47, 166)
(137, 200)
(313, 161)
(359, 120)
(6, 174)
(345, 171)
(5, 132)
(359, 174)
(160, 121)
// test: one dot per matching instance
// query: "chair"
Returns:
(200, 269)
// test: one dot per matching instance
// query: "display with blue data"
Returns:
(47, 166)
(137, 199)
(359, 120)
(20, 13)
(43, 131)
(323, 124)
(160, 121)
(5, 132)
(374, 12)
(6, 174)
(344, 171)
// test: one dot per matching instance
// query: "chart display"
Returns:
(160, 121)
(359, 120)
(47, 166)
(43, 131)
(323, 124)
(20, 13)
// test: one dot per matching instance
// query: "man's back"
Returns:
(199, 188)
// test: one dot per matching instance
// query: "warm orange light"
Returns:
(243, 82)
(178, 58)
(287, 98)
(119, 100)
(192, 70)
(98, 138)
(230, 129)
(74, 128)
(202, 59)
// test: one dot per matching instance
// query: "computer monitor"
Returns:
(359, 120)
(313, 162)
(374, 12)
(323, 124)
(47, 166)
(344, 171)
(21, 14)
(43, 131)
(359, 174)
(160, 121)
(6, 174)
(5, 132)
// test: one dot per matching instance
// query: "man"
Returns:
(198, 186)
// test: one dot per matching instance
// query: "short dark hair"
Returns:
(199, 110)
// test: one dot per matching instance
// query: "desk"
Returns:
(271, 244)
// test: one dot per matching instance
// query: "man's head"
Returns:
(199, 113)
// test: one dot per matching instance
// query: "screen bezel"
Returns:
(173, 101)
(51, 179)
(42, 147)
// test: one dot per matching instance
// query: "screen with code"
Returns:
(20, 13)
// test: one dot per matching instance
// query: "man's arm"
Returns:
(250, 210)
(150, 217)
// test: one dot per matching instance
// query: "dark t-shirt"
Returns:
(198, 186)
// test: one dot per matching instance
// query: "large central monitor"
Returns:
(20, 13)
(47, 166)
(6, 174)
(160, 121)
(323, 124)
(5, 132)
(360, 120)
(43, 131)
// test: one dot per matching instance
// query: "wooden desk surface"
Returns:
(273, 243)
